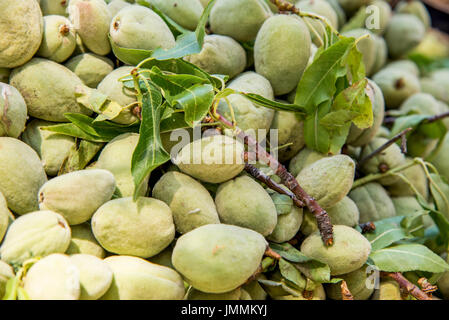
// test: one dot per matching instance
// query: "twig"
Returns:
(259, 175)
(272, 254)
(288, 180)
(367, 227)
(437, 117)
(384, 146)
(426, 287)
(345, 293)
(406, 285)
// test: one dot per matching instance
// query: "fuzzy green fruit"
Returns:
(404, 33)
(245, 203)
(21, 28)
(78, 194)
(83, 241)
(388, 290)
(441, 77)
(48, 89)
(59, 41)
(341, 15)
(290, 131)
(383, 9)
(282, 51)
(390, 158)
(142, 228)
(199, 295)
(138, 27)
(421, 103)
(13, 111)
(350, 6)
(190, 202)
(406, 65)
(328, 180)
(218, 258)
(5, 216)
(22, 175)
(54, 277)
(317, 294)
(138, 279)
(95, 276)
(116, 157)
(397, 85)
(440, 159)
(232, 18)
(359, 284)
(359, 137)
(417, 178)
(186, 13)
(348, 253)
(304, 158)
(435, 88)
(416, 8)
(91, 21)
(381, 54)
(6, 273)
(287, 225)
(58, 7)
(52, 148)
(115, 90)
(409, 205)
(220, 55)
(373, 202)
(249, 116)
(90, 68)
(36, 234)
(115, 6)
(213, 159)
(366, 46)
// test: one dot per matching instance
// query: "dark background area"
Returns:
(440, 20)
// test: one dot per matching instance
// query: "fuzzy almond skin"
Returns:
(302, 159)
(116, 5)
(359, 137)
(290, 131)
(199, 295)
(138, 27)
(388, 290)
(142, 228)
(90, 68)
(94, 274)
(418, 179)
(220, 55)
(350, 6)
(6, 272)
(357, 284)
(13, 111)
(59, 39)
(391, 157)
(282, 51)
(287, 225)
(5, 216)
(51, 147)
(186, 13)
(91, 21)
(231, 18)
(191, 204)
(213, 159)
(249, 116)
(138, 279)
(21, 27)
(373, 202)
(77, 195)
(116, 157)
(348, 253)
(111, 86)
(328, 180)
(83, 241)
(416, 8)
(22, 175)
(396, 85)
(54, 277)
(58, 7)
(36, 234)
(245, 203)
(404, 32)
(48, 89)
(218, 258)
(381, 54)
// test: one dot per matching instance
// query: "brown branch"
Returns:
(426, 286)
(437, 117)
(272, 254)
(367, 227)
(345, 293)
(288, 180)
(406, 285)
(284, 6)
(259, 175)
(384, 146)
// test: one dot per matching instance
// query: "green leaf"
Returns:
(440, 193)
(289, 272)
(404, 122)
(175, 121)
(357, 20)
(149, 152)
(79, 156)
(408, 257)
(276, 105)
(175, 28)
(441, 222)
(22, 294)
(129, 55)
(70, 129)
(317, 84)
(11, 288)
(387, 232)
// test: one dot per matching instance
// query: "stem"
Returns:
(406, 285)
(259, 175)
(437, 117)
(345, 293)
(323, 220)
(272, 254)
(426, 287)
(384, 146)
(367, 227)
